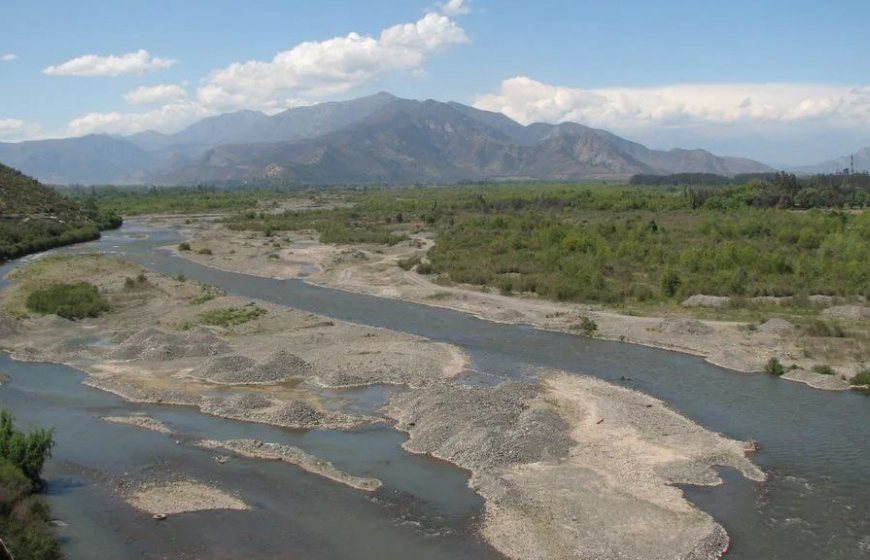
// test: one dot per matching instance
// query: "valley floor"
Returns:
(739, 342)
(569, 466)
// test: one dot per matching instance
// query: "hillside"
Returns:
(860, 160)
(374, 139)
(35, 218)
(412, 141)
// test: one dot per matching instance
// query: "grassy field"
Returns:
(605, 244)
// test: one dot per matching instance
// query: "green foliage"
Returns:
(204, 251)
(184, 246)
(862, 378)
(26, 451)
(821, 328)
(774, 367)
(231, 316)
(35, 218)
(23, 516)
(587, 326)
(409, 263)
(824, 369)
(70, 301)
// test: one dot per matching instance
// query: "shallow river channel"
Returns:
(815, 446)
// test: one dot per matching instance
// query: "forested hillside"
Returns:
(35, 218)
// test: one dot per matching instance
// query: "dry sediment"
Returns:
(144, 422)
(574, 467)
(169, 498)
(295, 456)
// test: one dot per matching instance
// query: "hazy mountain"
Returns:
(89, 159)
(375, 139)
(412, 141)
(836, 165)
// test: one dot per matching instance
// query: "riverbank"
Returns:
(504, 435)
(744, 345)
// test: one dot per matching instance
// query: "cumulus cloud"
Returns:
(166, 118)
(137, 62)
(776, 122)
(8, 57)
(320, 68)
(15, 129)
(455, 7)
(155, 95)
(688, 105)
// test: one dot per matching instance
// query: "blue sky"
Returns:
(786, 82)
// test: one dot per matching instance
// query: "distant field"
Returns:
(595, 243)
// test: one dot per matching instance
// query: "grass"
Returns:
(862, 378)
(70, 301)
(774, 367)
(824, 369)
(231, 316)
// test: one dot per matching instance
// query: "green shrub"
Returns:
(180, 277)
(184, 246)
(231, 316)
(824, 369)
(129, 283)
(204, 251)
(26, 451)
(822, 329)
(862, 378)
(588, 326)
(774, 367)
(409, 263)
(70, 301)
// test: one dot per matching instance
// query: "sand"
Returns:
(372, 270)
(170, 498)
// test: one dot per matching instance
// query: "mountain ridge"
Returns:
(375, 139)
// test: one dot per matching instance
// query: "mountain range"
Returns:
(375, 139)
(860, 160)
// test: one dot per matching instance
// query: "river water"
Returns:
(815, 444)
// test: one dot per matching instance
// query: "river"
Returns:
(815, 444)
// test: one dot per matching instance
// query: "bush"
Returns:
(26, 451)
(70, 301)
(774, 367)
(204, 251)
(231, 316)
(588, 326)
(826, 330)
(409, 263)
(862, 378)
(184, 246)
(824, 369)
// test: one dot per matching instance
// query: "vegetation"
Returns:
(231, 316)
(70, 301)
(131, 201)
(334, 226)
(23, 515)
(774, 367)
(184, 246)
(862, 378)
(35, 218)
(824, 369)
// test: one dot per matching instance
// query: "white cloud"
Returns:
(156, 95)
(8, 57)
(320, 68)
(137, 62)
(782, 123)
(681, 106)
(12, 130)
(455, 7)
(167, 118)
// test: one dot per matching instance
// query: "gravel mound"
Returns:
(157, 345)
(239, 370)
(852, 312)
(482, 427)
(776, 326)
(224, 369)
(297, 414)
(701, 300)
(8, 326)
(681, 326)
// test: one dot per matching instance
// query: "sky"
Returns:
(785, 82)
